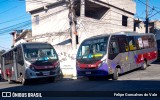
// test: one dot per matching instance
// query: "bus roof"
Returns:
(24, 44)
(120, 33)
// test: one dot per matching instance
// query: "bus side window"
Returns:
(140, 43)
(132, 44)
(152, 42)
(136, 42)
(19, 56)
(145, 41)
(114, 47)
(123, 44)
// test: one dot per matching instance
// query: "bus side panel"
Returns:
(149, 54)
(3, 69)
(119, 60)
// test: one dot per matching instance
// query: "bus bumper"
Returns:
(92, 73)
(101, 71)
(42, 74)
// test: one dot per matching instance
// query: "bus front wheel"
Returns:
(115, 74)
(9, 80)
(144, 66)
(23, 80)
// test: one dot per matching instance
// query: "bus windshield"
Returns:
(39, 52)
(93, 48)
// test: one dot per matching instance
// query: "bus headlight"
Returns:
(100, 64)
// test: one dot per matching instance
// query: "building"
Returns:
(153, 27)
(139, 25)
(51, 20)
(21, 36)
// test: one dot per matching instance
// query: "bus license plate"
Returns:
(88, 72)
(45, 73)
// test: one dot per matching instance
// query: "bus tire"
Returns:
(144, 66)
(115, 74)
(23, 80)
(9, 80)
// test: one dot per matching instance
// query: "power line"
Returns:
(151, 8)
(26, 23)
(37, 1)
(10, 9)
(14, 19)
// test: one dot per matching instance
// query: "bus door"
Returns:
(3, 68)
(132, 51)
(15, 65)
(117, 52)
(124, 52)
(19, 62)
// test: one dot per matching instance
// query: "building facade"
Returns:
(153, 27)
(50, 18)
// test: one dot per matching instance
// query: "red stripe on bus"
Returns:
(46, 67)
(8, 72)
(95, 65)
(149, 56)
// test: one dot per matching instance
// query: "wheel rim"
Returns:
(117, 73)
(9, 79)
(22, 80)
(144, 65)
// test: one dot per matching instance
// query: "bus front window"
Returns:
(92, 49)
(38, 54)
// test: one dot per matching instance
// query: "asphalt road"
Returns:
(137, 80)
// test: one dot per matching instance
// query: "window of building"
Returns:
(124, 20)
(36, 19)
(95, 11)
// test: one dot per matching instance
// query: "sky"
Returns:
(13, 12)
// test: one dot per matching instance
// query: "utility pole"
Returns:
(72, 20)
(147, 19)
